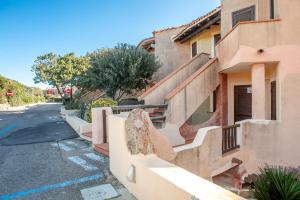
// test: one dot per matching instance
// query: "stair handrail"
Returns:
(127, 108)
(151, 89)
(190, 79)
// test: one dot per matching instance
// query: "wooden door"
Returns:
(273, 101)
(242, 102)
(246, 14)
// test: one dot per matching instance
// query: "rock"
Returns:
(138, 133)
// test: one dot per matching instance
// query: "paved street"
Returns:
(41, 157)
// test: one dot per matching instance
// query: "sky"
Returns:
(29, 28)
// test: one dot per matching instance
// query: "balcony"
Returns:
(254, 34)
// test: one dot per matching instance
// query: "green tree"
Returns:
(46, 71)
(71, 68)
(120, 71)
(59, 71)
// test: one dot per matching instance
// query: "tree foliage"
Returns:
(120, 71)
(59, 71)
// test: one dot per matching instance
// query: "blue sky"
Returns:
(29, 28)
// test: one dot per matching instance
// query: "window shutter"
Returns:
(246, 14)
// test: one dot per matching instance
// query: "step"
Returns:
(158, 110)
(102, 148)
(152, 114)
(158, 119)
(88, 134)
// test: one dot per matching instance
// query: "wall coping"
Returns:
(246, 22)
(197, 187)
(190, 79)
(199, 139)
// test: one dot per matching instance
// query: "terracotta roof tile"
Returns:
(146, 41)
(197, 21)
(169, 28)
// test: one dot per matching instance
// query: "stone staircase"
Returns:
(156, 112)
(102, 148)
(183, 96)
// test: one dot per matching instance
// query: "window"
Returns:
(272, 9)
(246, 14)
(213, 101)
(194, 49)
(273, 100)
(216, 39)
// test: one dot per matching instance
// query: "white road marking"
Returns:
(86, 166)
(62, 146)
(95, 157)
(52, 117)
(105, 191)
(74, 144)
(70, 142)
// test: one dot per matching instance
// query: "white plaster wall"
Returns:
(155, 178)
(184, 100)
(79, 125)
(171, 54)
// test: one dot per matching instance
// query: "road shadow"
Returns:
(45, 132)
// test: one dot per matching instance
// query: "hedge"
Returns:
(99, 103)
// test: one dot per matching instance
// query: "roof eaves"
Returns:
(196, 22)
(146, 40)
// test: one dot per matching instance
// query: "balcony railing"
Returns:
(229, 138)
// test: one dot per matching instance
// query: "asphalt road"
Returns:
(41, 157)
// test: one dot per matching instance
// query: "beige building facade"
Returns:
(239, 69)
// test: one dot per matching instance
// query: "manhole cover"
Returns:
(105, 191)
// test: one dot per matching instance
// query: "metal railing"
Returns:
(229, 138)
(120, 109)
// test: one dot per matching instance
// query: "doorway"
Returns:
(242, 102)
(273, 101)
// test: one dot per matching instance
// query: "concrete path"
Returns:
(42, 158)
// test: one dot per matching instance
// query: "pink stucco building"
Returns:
(230, 84)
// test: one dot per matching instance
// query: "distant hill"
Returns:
(22, 93)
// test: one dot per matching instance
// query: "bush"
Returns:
(130, 101)
(99, 103)
(277, 183)
(83, 107)
(71, 104)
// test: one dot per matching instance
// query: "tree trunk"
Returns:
(59, 92)
(71, 92)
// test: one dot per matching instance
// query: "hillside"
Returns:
(22, 93)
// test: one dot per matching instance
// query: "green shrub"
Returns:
(99, 103)
(83, 107)
(71, 104)
(16, 101)
(277, 183)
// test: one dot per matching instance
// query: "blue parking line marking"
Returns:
(47, 188)
(7, 129)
